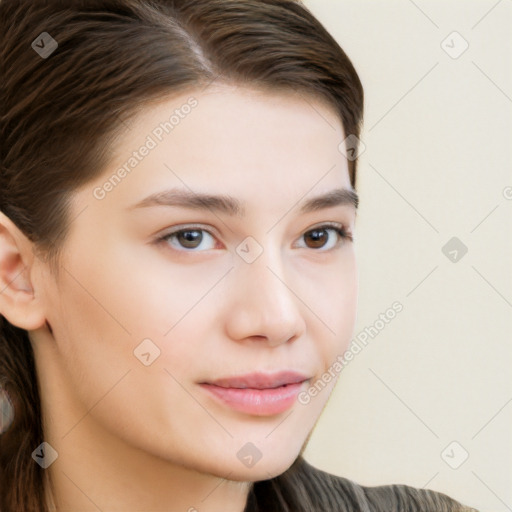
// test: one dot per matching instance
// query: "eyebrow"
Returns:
(231, 206)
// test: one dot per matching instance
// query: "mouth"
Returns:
(258, 394)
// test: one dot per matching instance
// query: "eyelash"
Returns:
(339, 229)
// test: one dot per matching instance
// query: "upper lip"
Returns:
(260, 380)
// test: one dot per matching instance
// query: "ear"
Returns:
(18, 302)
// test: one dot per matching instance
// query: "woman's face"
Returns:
(146, 321)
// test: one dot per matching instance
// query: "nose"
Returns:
(263, 305)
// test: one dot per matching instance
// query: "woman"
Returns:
(176, 254)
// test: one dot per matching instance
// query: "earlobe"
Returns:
(18, 302)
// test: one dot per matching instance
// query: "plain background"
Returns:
(436, 165)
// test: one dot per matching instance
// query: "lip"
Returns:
(259, 394)
(260, 380)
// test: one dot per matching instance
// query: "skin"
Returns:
(148, 438)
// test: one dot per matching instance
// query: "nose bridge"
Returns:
(263, 301)
(267, 276)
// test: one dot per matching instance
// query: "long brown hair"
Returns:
(60, 112)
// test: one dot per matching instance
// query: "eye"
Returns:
(319, 237)
(189, 239)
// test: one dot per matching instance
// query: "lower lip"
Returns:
(260, 402)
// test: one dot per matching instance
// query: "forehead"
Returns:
(251, 142)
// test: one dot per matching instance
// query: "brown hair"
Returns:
(59, 114)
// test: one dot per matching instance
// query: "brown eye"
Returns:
(318, 238)
(191, 238)
(326, 237)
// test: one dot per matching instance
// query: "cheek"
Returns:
(103, 316)
(92, 347)
(332, 296)
(339, 305)
(163, 291)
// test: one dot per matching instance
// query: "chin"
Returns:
(268, 466)
(269, 470)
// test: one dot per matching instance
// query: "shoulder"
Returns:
(384, 498)
(305, 488)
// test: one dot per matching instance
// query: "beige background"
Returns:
(437, 165)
